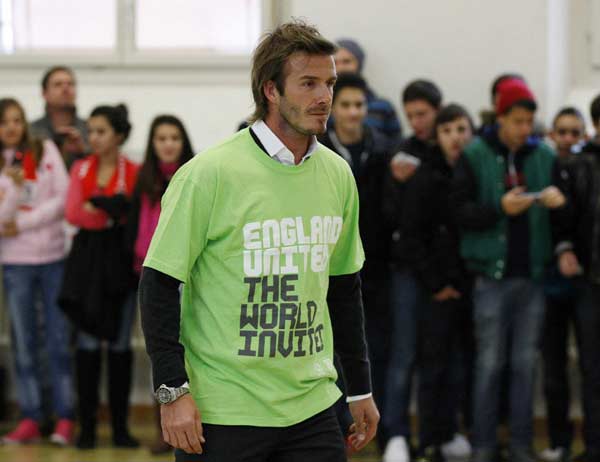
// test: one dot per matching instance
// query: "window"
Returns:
(131, 32)
(224, 26)
(57, 25)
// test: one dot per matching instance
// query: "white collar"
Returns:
(275, 147)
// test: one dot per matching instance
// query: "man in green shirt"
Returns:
(262, 230)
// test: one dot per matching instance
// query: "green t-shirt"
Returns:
(255, 242)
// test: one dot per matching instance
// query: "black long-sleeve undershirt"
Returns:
(160, 308)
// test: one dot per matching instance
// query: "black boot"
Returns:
(88, 365)
(119, 386)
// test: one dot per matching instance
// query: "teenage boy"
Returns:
(422, 101)
(578, 249)
(381, 115)
(568, 131)
(502, 196)
(367, 153)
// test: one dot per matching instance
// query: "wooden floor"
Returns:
(46, 452)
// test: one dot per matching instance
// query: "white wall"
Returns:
(460, 44)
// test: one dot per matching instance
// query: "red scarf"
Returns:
(89, 178)
(28, 164)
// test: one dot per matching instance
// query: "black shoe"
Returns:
(86, 440)
(503, 453)
(125, 440)
(522, 454)
(429, 454)
(587, 456)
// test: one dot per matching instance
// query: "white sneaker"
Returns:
(552, 455)
(458, 448)
(396, 450)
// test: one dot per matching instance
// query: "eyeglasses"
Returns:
(566, 131)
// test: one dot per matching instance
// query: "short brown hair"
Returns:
(53, 70)
(272, 53)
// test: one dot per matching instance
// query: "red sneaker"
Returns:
(28, 431)
(63, 432)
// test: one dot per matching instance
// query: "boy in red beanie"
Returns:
(502, 196)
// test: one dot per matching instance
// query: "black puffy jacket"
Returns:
(577, 225)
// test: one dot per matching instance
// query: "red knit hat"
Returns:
(511, 91)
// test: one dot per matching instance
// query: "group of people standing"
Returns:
(77, 217)
(470, 271)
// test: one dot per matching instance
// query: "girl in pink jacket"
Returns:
(33, 187)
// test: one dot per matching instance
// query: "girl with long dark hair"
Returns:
(99, 288)
(168, 148)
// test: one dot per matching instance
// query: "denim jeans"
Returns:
(403, 351)
(122, 343)
(508, 316)
(22, 283)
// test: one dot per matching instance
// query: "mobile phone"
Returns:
(535, 195)
(403, 157)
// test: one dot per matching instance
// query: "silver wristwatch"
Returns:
(166, 395)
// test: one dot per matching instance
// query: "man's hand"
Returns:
(447, 293)
(552, 198)
(568, 264)
(366, 417)
(9, 229)
(514, 202)
(402, 171)
(73, 139)
(89, 207)
(181, 425)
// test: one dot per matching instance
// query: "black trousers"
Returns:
(586, 319)
(560, 313)
(442, 370)
(317, 439)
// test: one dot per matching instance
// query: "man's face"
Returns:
(453, 136)
(305, 103)
(60, 91)
(516, 126)
(350, 109)
(568, 130)
(421, 117)
(345, 61)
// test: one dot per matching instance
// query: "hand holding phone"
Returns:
(404, 166)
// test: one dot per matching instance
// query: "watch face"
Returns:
(163, 395)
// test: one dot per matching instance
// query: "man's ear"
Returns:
(271, 92)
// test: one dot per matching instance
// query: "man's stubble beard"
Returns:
(285, 115)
